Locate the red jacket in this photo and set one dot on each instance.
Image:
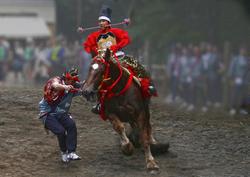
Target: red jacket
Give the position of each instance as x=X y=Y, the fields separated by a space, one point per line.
x=50 y=95
x=113 y=38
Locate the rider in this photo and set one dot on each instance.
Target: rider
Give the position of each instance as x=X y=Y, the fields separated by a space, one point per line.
x=106 y=37
x=54 y=111
x=114 y=39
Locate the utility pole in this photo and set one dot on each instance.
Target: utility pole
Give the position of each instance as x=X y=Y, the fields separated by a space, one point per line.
x=78 y=12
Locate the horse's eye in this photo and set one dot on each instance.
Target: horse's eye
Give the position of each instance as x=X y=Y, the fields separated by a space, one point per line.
x=95 y=66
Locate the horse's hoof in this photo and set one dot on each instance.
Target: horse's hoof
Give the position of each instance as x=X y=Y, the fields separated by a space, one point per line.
x=160 y=148
x=127 y=149
x=154 y=172
x=152 y=167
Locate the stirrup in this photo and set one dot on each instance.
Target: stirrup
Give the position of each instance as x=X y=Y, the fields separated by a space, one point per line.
x=96 y=108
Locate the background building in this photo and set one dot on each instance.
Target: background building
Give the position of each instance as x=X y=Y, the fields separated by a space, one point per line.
x=20 y=19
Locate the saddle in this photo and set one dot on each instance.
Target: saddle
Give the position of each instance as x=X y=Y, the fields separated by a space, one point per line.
x=140 y=76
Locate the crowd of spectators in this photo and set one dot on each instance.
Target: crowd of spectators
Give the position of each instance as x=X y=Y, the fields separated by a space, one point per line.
x=201 y=77
x=33 y=62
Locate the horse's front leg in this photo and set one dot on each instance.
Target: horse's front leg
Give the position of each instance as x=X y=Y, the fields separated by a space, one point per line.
x=126 y=146
x=152 y=139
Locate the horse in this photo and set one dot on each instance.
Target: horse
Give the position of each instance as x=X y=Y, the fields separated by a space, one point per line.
x=122 y=101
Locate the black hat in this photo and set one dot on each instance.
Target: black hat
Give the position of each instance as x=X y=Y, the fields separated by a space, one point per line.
x=105 y=13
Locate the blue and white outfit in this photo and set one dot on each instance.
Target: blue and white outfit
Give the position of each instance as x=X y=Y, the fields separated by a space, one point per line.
x=57 y=119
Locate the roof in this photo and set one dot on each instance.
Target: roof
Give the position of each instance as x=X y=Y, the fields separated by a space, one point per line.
x=23 y=27
x=43 y=8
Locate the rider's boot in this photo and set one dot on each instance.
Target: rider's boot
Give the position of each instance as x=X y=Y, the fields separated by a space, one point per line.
x=96 y=108
x=151 y=88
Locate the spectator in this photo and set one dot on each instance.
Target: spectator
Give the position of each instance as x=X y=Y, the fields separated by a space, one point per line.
x=3 y=60
x=239 y=67
x=54 y=112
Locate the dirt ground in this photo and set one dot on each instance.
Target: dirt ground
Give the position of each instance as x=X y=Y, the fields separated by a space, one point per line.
x=201 y=145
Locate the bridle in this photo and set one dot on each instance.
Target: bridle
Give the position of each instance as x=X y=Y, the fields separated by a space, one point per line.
x=106 y=90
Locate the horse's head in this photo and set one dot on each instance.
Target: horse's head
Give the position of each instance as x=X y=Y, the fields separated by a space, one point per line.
x=96 y=73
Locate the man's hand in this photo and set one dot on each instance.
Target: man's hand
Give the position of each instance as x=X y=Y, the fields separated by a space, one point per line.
x=114 y=48
x=80 y=29
x=68 y=87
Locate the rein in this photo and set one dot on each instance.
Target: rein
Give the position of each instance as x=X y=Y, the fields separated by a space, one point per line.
x=106 y=91
x=119 y=77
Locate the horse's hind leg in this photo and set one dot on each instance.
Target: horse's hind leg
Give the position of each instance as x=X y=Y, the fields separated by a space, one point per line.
x=126 y=146
x=146 y=137
x=134 y=135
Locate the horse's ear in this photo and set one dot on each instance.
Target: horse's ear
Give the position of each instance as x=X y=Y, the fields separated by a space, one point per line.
x=107 y=54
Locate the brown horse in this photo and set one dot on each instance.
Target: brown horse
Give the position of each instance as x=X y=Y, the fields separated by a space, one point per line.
x=122 y=102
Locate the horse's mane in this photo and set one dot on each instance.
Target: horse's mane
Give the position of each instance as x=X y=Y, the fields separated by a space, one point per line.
x=116 y=69
x=125 y=72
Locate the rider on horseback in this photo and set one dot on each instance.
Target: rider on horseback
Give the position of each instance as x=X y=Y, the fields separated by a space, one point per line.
x=114 y=39
x=106 y=37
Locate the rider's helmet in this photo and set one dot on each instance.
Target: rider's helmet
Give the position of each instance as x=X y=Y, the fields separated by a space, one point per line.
x=71 y=74
x=105 y=13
